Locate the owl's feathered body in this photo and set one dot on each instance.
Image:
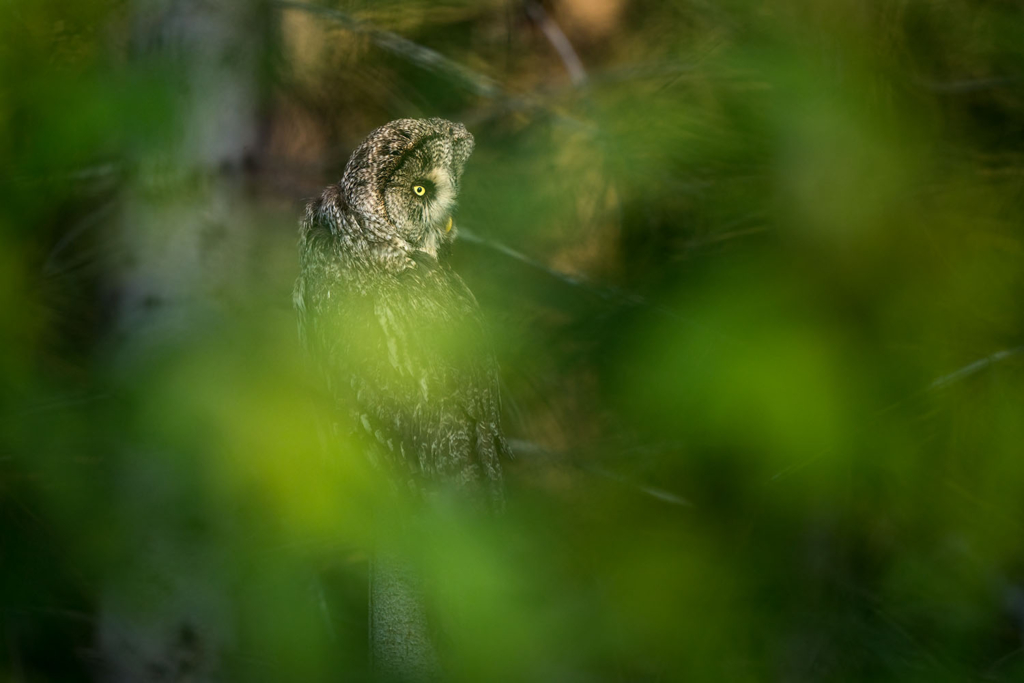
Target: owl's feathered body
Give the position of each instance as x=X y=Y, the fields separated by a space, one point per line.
x=395 y=331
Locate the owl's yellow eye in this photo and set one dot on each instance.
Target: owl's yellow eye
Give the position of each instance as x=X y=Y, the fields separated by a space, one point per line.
x=419 y=190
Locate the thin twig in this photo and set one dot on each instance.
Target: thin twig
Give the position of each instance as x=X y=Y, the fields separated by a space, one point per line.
x=432 y=60
x=967 y=85
x=92 y=220
x=603 y=291
x=553 y=32
x=937 y=384
x=424 y=57
x=975 y=367
x=467 y=235
x=526 y=447
x=607 y=292
x=652 y=491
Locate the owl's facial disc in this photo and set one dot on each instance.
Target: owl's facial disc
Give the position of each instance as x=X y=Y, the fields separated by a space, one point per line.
x=403 y=180
x=420 y=202
x=436 y=194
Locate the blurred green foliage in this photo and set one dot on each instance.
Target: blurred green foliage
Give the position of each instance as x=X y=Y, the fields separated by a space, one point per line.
x=755 y=286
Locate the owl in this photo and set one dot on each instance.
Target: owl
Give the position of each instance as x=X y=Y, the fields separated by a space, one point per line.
x=392 y=328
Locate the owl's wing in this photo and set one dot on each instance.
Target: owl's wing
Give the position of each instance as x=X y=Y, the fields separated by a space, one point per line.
x=299 y=304
x=408 y=363
x=315 y=271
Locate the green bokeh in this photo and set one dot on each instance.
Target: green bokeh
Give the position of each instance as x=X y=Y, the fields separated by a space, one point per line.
x=754 y=286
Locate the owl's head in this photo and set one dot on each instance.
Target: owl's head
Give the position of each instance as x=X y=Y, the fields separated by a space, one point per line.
x=405 y=177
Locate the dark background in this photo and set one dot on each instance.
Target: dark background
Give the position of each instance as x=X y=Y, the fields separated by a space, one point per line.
x=753 y=272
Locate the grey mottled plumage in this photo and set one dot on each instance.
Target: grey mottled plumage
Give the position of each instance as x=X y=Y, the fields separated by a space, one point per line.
x=393 y=328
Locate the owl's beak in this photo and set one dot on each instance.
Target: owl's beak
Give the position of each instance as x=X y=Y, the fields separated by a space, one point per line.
x=448 y=225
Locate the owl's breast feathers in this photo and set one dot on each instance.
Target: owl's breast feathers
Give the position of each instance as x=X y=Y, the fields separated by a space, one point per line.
x=401 y=342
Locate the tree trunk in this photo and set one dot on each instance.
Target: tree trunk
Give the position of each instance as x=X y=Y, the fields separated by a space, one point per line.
x=182 y=245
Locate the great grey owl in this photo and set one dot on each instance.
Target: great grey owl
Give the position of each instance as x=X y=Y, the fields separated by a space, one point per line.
x=394 y=330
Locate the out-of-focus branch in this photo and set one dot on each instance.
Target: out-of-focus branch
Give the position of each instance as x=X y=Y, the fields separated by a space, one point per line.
x=392 y=42
x=967 y=85
x=575 y=281
x=607 y=292
x=553 y=32
x=976 y=366
x=434 y=61
x=530 y=448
